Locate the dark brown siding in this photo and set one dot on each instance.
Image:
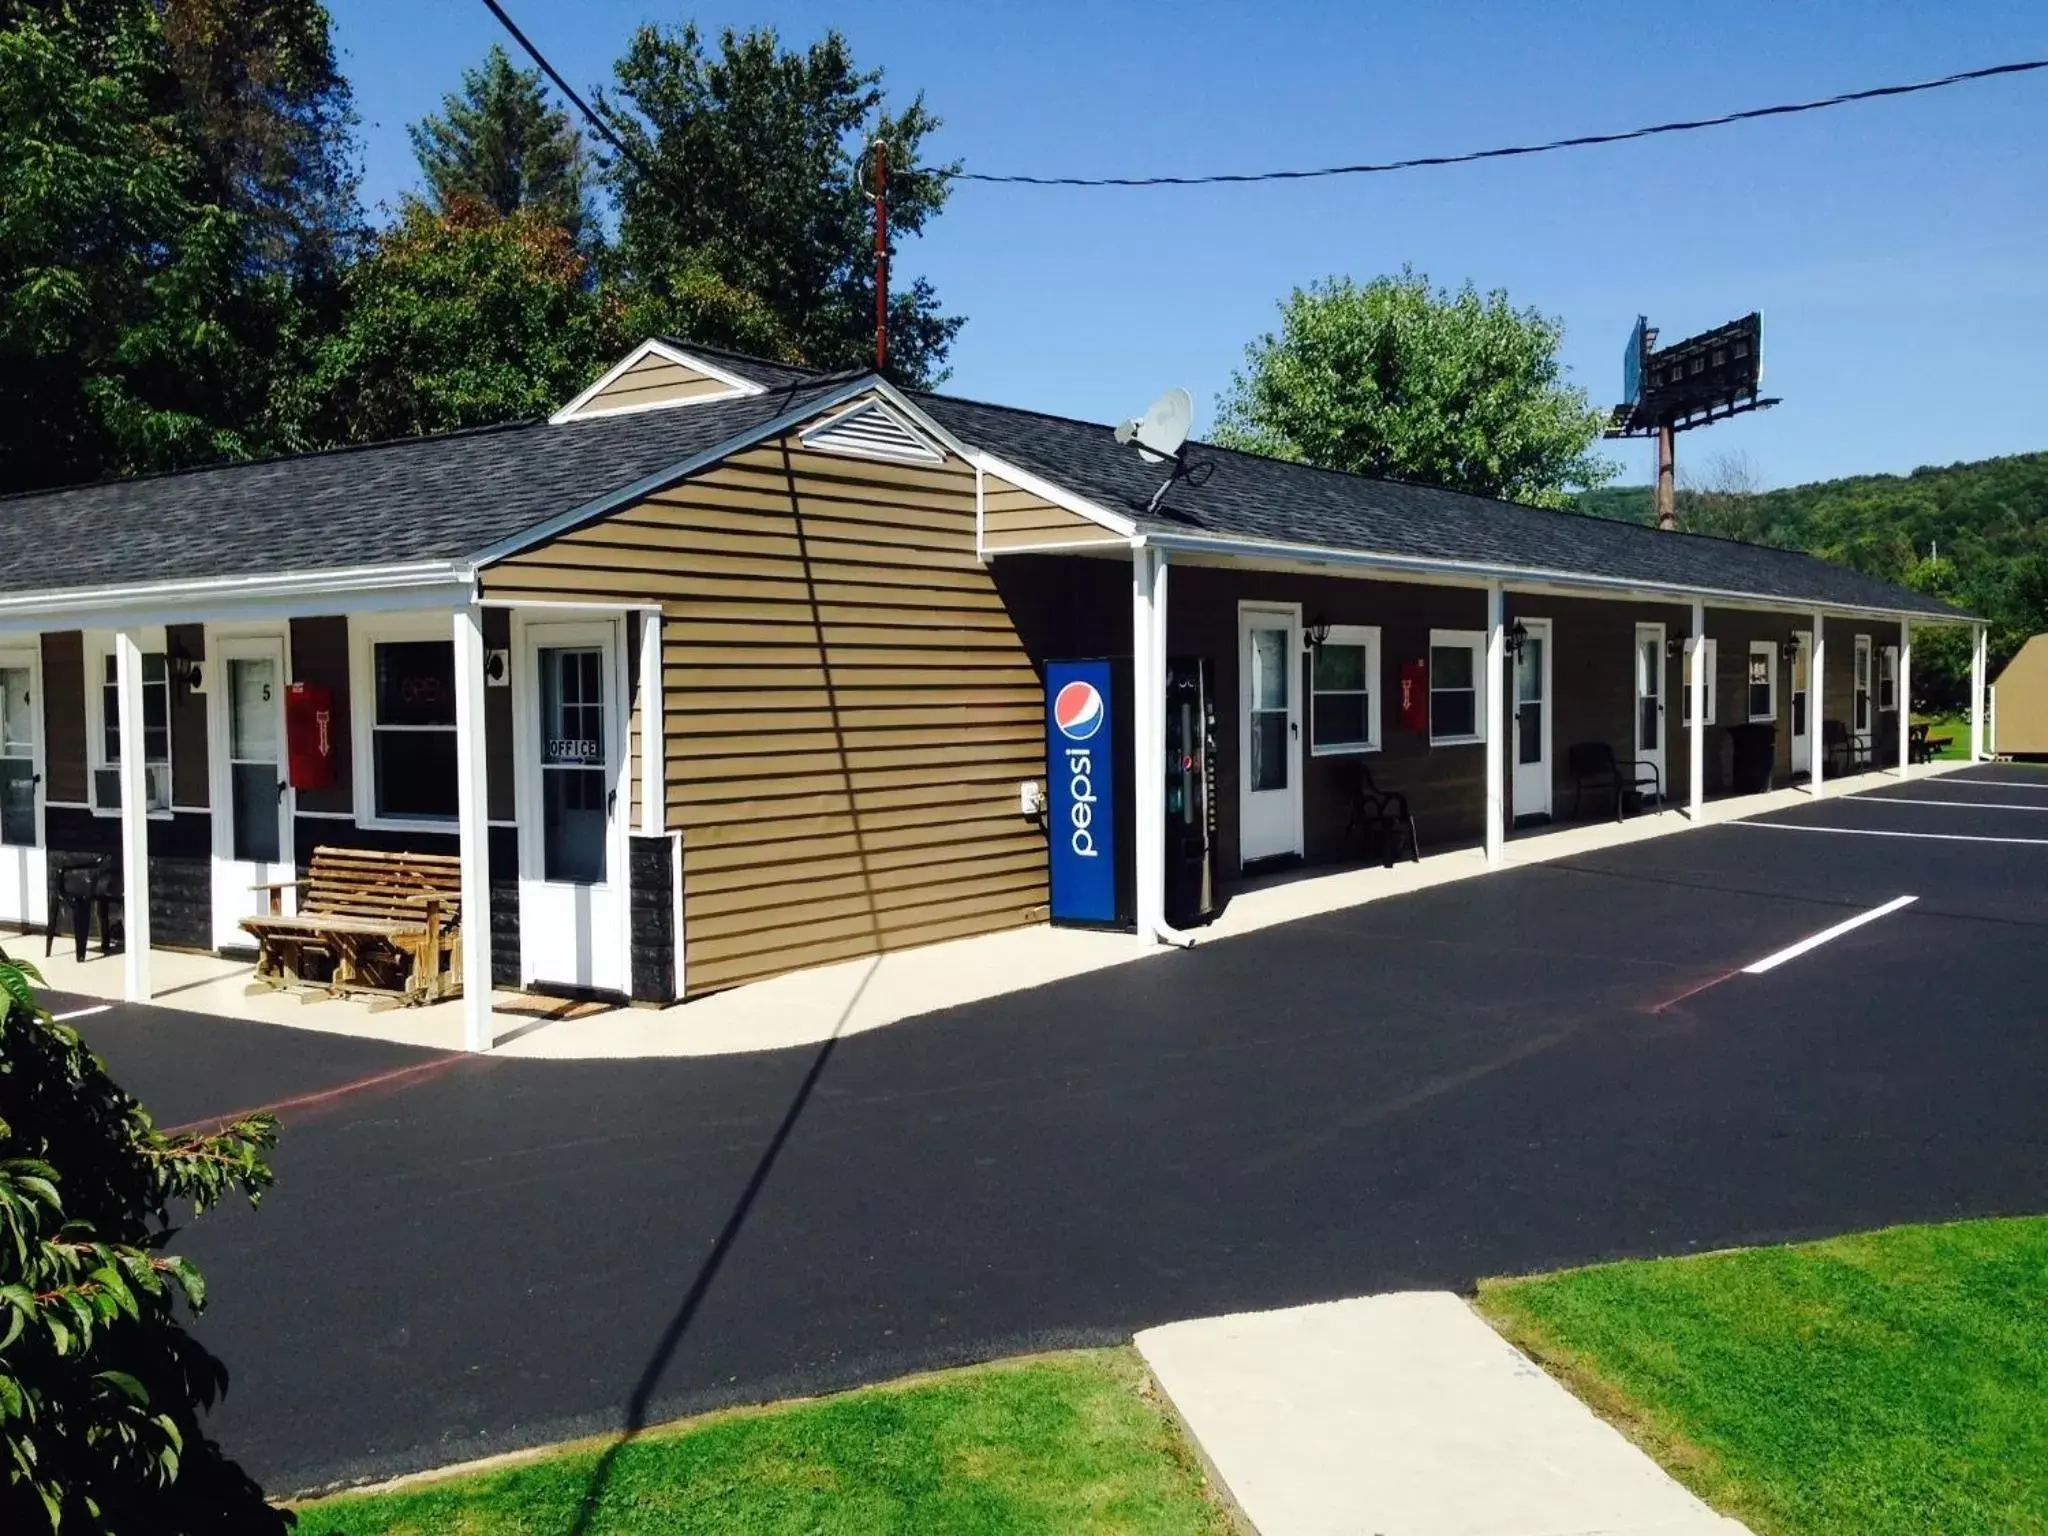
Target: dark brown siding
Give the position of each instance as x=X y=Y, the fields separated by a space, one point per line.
x=1593 y=686
x=190 y=787
x=1445 y=785
x=64 y=748
x=849 y=710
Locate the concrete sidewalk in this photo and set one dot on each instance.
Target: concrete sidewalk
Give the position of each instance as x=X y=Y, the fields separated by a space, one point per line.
x=1405 y=1415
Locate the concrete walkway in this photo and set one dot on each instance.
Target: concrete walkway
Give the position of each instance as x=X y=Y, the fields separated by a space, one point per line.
x=810 y=1006
x=1405 y=1415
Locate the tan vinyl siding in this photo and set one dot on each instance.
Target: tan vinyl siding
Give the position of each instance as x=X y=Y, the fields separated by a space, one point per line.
x=848 y=709
x=654 y=380
x=2019 y=701
x=1012 y=518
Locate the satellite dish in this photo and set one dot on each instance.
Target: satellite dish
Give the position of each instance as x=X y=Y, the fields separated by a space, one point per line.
x=1163 y=428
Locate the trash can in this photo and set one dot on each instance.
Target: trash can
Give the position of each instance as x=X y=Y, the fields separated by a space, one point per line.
x=1756 y=749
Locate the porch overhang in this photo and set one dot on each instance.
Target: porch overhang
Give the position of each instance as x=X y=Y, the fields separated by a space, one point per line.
x=426 y=585
x=1279 y=555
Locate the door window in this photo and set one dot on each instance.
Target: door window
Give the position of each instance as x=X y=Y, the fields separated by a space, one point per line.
x=253 y=751
x=575 y=799
x=1802 y=671
x=1271 y=707
x=17 y=759
x=1529 y=700
x=1649 y=693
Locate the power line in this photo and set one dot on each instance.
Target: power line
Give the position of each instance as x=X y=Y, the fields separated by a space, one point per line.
x=597 y=123
x=1584 y=141
x=1418 y=162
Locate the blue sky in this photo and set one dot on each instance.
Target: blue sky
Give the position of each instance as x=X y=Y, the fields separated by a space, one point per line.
x=1898 y=251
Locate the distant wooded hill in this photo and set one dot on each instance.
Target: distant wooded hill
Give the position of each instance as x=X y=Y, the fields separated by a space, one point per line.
x=1976 y=534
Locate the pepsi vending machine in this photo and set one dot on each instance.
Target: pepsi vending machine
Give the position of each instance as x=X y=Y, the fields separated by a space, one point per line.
x=1081 y=804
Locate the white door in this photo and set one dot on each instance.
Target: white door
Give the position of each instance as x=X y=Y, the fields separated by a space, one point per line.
x=1862 y=727
x=1650 y=695
x=1269 y=691
x=1802 y=706
x=24 y=873
x=252 y=800
x=1532 y=721
x=573 y=899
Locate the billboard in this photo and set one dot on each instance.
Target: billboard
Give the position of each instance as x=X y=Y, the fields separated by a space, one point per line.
x=1081 y=797
x=1691 y=382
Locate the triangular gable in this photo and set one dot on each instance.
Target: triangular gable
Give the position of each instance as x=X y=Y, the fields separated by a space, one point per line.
x=652 y=377
x=871 y=430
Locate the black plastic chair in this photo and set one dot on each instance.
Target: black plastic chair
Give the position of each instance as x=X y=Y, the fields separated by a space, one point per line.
x=1383 y=816
x=84 y=885
x=1593 y=764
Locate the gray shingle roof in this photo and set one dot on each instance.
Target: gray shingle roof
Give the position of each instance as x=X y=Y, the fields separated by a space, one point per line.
x=1246 y=496
x=450 y=497
x=416 y=500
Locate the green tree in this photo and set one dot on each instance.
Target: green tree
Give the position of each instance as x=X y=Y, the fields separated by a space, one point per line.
x=131 y=328
x=101 y=1384
x=754 y=186
x=1396 y=380
x=455 y=320
x=273 y=121
x=498 y=141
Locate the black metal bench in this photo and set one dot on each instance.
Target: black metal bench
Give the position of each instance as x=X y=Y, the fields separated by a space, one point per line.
x=1381 y=818
x=1843 y=753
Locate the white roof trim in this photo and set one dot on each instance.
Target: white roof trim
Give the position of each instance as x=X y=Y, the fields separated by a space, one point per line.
x=924 y=451
x=1059 y=496
x=736 y=386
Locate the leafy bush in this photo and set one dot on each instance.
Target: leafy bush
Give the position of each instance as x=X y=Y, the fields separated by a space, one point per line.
x=101 y=1383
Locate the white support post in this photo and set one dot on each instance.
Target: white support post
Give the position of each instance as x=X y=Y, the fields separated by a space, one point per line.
x=1696 y=740
x=1148 y=749
x=1978 y=698
x=1490 y=701
x=134 y=778
x=472 y=803
x=653 y=748
x=1902 y=695
x=1817 y=705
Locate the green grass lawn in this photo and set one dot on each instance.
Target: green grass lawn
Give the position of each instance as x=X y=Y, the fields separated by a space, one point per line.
x=1956 y=729
x=1055 y=1443
x=1890 y=1384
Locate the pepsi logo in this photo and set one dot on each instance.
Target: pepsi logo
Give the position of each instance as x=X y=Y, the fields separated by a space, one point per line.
x=1077 y=710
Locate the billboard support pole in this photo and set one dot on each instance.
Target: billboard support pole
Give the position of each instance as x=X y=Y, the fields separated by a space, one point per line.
x=1667 y=478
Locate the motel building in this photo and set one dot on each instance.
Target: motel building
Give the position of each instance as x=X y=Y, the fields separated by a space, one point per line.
x=731 y=668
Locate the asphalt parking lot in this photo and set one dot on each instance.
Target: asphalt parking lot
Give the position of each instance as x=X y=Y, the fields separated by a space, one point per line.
x=1558 y=1064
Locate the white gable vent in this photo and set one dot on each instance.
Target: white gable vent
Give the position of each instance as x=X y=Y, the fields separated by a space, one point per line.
x=872 y=431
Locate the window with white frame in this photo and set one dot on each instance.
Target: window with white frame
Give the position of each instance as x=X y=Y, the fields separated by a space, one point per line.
x=105 y=709
x=1457 y=686
x=1712 y=665
x=1888 y=678
x=403 y=698
x=1763 y=680
x=1861 y=705
x=1344 y=693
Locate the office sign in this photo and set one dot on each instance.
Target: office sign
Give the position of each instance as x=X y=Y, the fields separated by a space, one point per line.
x=1081 y=799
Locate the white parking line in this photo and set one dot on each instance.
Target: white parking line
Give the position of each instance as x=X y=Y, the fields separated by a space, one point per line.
x=80 y=1013
x=1931 y=837
x=1980 y=805
x=1996 y=783
x=1772 y=962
